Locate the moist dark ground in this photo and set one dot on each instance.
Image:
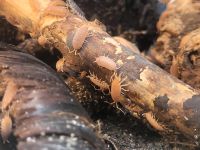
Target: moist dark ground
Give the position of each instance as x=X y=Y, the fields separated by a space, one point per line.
x=134 y=20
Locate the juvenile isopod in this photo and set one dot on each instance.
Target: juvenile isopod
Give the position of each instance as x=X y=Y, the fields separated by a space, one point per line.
x=152 y=121
x=42 y=40
x=106 y=62
x=117 y=87
x=9 y=94
x=79 y=37
x=174 y=67
x=60 y=65
x=101 y=84
x=55 y=8
x=82 y=74
x=76 y=9
x=6 y=127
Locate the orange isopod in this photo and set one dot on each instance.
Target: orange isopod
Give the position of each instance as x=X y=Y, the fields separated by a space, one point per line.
x=79 y=37
x=152 y=121
x=6 y=127
x=60 y=65
x=101 y=84
x=116 y=87
x=42 y=40
x=106 y=62
x=174 y=67
x=9 y=94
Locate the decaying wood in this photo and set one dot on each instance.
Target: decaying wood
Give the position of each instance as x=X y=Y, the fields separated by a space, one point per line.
x=44 y=113
x=149 y=88
x=177 y=47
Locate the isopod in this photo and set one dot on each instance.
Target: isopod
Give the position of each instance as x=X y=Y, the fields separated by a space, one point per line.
x=174 y=67
x=152 y=121
x=55 y=8
x=106 y=62
x=117 y=87
x=79 y=37
x=60 y=65
x=75 y=9
x=101 y=84
x=42 y=40
x=82 y=74
x=9 y=94
x=6 y=127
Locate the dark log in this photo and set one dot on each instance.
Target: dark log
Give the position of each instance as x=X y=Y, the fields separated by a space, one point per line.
x=44 y=113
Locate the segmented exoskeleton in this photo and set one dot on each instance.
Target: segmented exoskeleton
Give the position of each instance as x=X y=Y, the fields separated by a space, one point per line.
x=44 y=114
x=75 y=9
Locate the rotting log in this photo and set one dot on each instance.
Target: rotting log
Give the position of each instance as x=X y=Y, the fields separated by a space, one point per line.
x=44 y=114
x=149 y=89
x=177 y=47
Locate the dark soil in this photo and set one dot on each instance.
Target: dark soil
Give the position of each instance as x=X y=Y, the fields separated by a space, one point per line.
x=132 y=19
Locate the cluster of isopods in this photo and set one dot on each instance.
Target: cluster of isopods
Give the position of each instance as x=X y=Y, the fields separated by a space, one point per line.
x=116 y=88
x=75 y=42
